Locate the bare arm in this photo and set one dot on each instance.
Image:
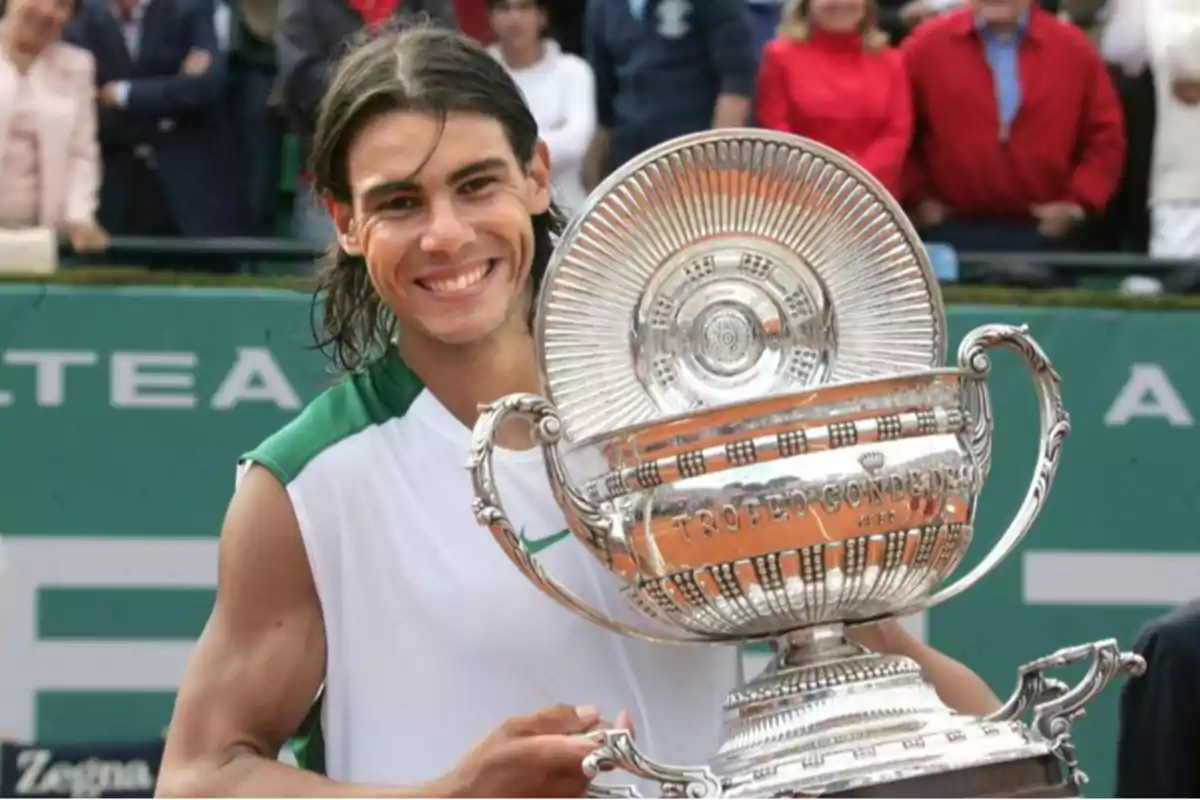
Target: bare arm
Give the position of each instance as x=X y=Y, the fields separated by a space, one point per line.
x=258 y=664
x=956 y=684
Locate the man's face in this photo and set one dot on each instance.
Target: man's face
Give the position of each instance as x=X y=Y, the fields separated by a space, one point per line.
x=1001 y=13
x=442 y=216
x=517 y=23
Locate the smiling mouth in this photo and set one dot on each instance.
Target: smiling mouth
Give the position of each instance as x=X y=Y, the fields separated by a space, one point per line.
x=461 y=283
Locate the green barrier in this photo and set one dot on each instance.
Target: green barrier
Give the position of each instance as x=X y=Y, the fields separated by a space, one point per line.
x=122 y=411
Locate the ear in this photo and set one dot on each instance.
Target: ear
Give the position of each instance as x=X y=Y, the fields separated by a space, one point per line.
x=538 y=175
x=342 y=215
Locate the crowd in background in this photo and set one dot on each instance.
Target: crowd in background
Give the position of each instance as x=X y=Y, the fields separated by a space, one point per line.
x=1002 y=125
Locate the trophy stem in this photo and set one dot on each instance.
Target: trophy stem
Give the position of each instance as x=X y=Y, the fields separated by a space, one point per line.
x=807 y=646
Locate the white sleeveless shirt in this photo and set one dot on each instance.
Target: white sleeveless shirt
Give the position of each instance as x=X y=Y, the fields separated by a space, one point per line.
x=434 y=637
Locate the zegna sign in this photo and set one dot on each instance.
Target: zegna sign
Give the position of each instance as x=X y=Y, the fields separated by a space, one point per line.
x=166 y=380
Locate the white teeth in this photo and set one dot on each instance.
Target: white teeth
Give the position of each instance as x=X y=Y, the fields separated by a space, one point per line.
x=460 y=283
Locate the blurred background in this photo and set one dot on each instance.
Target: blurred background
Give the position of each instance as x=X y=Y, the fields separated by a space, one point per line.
x=158 y=233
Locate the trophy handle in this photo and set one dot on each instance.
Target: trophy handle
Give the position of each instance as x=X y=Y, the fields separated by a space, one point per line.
x=580 y=512
x=1057 y=706
x=617 y=750
x=1054 y=425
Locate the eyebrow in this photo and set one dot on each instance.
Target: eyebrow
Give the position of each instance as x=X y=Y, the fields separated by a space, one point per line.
x=460 y=174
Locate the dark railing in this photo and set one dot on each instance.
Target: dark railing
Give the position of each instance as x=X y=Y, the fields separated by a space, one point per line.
x=140 y=249
x=1083 y=263
x=133 y=249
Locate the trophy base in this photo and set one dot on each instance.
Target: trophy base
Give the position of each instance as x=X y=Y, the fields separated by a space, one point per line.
x=1030 y=777
x=828 y=717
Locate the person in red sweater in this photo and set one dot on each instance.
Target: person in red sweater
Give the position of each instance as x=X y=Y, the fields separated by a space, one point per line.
x=830 y=76
x=1019 y=137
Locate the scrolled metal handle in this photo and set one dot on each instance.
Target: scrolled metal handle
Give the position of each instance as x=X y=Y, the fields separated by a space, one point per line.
x=1054 y=425
x=1057 y=706
x=580 y=512
x=617 y=750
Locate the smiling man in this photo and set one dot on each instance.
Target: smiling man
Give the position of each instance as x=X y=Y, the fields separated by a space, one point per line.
x=359 y=602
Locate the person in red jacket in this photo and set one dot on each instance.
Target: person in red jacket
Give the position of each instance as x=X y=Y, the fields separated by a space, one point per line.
x=830 y=76
x=1019 y=137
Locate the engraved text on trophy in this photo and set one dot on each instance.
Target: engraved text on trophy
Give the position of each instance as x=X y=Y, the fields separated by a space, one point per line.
x=873 y=501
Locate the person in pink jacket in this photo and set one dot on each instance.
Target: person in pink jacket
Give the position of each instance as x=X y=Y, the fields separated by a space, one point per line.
x=49 y=156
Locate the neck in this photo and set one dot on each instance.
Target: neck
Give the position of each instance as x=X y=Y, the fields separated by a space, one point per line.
x=521 y=56
x=463 y=377
x=836 y=40
x=1007 y=26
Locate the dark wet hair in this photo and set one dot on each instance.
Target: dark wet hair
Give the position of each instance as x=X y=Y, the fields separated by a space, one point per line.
x=420 y=68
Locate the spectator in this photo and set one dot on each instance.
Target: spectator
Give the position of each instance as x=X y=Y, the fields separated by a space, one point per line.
x=558 y=87
x=164 y=136
x=665 y=68
x=311 y=36
x=1020 y=135
x=1175 y=176
x=257 y=125
x=49 y=163
x=831 y=77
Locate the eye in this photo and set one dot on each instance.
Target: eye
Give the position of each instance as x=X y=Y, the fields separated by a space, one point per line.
x=400 y=203
x=476 y=185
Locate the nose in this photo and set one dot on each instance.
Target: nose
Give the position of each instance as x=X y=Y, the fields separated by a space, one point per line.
x=447 y=232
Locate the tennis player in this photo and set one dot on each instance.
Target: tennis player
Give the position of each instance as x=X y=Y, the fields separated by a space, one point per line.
x=361 y=610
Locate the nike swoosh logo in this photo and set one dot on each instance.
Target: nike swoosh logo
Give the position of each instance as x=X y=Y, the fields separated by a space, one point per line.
x=535 y=546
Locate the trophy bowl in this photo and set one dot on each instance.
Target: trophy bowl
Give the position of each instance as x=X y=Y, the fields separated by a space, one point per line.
x=839 y=504
x=749 y=423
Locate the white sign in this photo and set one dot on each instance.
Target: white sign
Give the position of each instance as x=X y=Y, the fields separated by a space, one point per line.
x=144 y=379
x=1148 y=394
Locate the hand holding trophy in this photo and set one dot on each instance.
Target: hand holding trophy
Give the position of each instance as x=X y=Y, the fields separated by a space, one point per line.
x=750 y=424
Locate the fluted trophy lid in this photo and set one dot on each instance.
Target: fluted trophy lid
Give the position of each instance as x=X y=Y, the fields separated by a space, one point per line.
x=727 y=265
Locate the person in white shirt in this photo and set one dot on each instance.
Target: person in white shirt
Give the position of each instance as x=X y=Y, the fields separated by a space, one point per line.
x=559 y=88
x=1165 y=35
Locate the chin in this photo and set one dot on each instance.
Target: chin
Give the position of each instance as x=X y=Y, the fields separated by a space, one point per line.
x=478 y=327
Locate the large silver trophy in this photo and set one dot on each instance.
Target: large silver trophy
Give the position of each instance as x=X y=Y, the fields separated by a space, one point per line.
x=750 y=423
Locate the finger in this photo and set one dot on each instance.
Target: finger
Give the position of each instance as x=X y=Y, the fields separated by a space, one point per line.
x=560 y=756
x=560 y=719
x=625 y=722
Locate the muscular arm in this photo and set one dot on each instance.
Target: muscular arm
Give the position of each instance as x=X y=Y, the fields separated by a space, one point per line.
x=258 y=664
x=956 y=684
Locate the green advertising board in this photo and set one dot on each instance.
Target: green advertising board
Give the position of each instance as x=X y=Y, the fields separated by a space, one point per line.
x=122 y=411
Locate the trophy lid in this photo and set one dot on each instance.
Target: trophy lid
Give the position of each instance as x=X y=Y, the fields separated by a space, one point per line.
x=726 y=265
